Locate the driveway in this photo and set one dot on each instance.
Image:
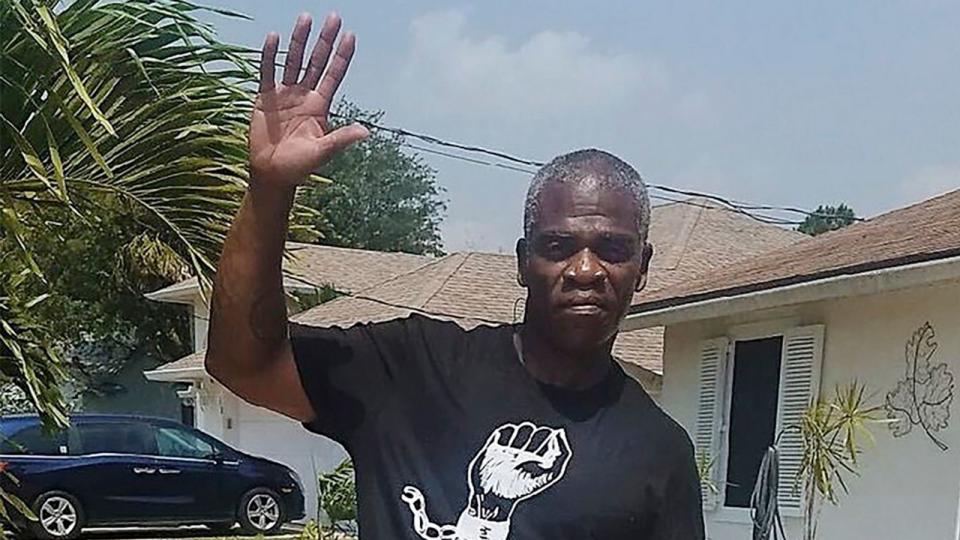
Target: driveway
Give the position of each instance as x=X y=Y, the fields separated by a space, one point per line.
x=179 y=533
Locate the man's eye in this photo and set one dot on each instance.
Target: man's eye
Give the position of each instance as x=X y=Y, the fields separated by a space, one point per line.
x=554 y=249
x=615 y=250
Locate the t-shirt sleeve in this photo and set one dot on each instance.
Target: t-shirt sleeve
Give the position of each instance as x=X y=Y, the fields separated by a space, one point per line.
x=681 y=516
x=349 y=374
x=346 y=373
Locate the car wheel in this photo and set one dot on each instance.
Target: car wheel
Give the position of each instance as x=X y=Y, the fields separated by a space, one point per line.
x=59 y=516
x=261 y=511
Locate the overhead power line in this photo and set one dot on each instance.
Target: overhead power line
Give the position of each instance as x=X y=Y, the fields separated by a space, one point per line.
x=516 y=163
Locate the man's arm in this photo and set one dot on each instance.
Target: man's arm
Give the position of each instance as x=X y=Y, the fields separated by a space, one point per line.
x=248 y=349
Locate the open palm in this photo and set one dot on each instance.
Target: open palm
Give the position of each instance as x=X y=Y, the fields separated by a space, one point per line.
x=290 y=136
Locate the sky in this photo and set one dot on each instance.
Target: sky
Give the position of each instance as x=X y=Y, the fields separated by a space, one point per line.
x=785 y=103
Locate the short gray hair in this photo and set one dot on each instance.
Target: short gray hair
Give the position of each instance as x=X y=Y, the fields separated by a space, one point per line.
x=607 y=169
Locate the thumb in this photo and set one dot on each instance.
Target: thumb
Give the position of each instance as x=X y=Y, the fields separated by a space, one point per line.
x=339 y=139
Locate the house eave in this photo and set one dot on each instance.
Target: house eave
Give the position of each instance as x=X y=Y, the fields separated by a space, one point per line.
x=864 y=283
x=183 y=292
x=188 y=291
x=189 y=374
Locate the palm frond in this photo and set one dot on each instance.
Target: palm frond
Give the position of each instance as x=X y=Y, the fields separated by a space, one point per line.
x=130 y=107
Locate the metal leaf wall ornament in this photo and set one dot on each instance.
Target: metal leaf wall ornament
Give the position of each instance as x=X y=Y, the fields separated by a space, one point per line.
x=923 y=397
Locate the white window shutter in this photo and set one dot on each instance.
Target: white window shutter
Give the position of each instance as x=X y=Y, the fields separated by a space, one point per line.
x=799 y=387
x=707 y=436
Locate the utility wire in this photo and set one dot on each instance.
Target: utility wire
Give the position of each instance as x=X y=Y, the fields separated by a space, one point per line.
x=430 y=139
x=467 y=159
x=440 y=142
x=771 y=220
x=728 y=205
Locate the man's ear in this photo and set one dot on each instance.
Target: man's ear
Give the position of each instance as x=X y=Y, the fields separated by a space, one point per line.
x=523 y=262
x=644 y=266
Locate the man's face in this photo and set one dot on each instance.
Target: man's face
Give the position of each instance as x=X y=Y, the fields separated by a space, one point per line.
x=583 y=263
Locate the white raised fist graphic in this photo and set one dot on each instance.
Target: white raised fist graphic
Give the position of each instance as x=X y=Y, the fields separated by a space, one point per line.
x=517 y=462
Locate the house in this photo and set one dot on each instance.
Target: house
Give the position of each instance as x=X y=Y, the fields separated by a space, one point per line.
x=469 y=288
x=746 y=348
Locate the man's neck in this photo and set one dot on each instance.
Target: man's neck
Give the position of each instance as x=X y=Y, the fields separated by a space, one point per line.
x=547 y=364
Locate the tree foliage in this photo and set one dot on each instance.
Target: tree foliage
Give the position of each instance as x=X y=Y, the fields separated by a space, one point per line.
x=827 y=218
x=116 y=131
x=380 y=198
x=337 y=493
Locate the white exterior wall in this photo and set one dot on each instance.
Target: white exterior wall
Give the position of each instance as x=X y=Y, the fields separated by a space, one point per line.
x=201 y=324
x=908 y=488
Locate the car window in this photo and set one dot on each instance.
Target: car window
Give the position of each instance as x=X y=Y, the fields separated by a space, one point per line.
x=34 y=441
x=178 y=442
x=116 y=437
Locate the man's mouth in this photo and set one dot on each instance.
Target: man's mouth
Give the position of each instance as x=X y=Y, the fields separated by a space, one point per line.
x=585 y=307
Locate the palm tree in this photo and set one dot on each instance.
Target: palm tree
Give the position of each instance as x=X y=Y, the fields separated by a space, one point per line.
x=129 y=108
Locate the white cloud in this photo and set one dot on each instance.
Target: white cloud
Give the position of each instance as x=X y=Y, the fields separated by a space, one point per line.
x=549 y=72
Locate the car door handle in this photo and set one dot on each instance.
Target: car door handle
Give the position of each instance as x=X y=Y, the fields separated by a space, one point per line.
x=144 y=470
x=169 y=471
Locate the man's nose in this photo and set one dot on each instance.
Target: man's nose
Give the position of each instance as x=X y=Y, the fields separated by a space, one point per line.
x=585 y=269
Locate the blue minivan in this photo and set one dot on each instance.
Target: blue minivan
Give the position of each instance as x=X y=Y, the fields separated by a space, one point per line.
x=111 y=470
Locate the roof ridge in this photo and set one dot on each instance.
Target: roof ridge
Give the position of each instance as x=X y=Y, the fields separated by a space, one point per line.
x=679 y=250
x=924 y=202
x=408 y=273
x=311 y=283
x=308 y=245
x=446 y=279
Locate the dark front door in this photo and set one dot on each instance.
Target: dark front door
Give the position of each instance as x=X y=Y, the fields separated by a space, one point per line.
x=190 y=478
x=116 y=475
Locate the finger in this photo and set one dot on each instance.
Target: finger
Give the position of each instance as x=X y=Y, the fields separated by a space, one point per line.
x=337 y=69
x=268 y=58
x=522 y=435
x=298 y=41
x=537 y=443
x=321 y=51
x=338 y=140
x=564 y=444
x=505 y=433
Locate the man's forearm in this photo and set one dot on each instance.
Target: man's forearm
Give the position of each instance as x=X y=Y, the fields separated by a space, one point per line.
x=248 y=319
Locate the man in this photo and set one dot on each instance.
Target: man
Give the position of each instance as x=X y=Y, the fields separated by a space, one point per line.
x=519 y=431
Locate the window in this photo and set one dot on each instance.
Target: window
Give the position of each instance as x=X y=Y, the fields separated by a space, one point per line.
x=177 y=442
x=748 y=390
x=34 y=441
x=752 y=414
x=116 y=437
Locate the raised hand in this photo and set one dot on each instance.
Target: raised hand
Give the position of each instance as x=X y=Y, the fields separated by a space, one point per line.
x=516 y=463
x=290 y=135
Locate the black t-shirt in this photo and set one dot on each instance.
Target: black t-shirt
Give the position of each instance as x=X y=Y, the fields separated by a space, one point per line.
x=451 y=437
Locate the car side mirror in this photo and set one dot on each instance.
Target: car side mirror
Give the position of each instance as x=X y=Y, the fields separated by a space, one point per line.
x=218 y=457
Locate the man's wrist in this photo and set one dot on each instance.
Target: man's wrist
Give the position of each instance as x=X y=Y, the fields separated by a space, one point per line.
x=272 y=191
x=490 y=507
x=471 y=527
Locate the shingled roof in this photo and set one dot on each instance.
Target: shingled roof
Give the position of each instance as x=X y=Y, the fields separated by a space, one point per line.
x=344 y=269
x=478 y=288
x=481 y=288
x=925 y=231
